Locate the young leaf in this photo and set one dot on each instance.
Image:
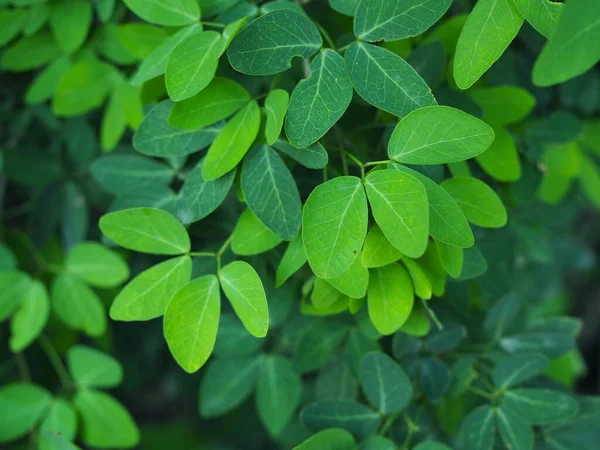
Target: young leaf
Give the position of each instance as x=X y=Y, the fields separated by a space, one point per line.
x=501 y=160
x=245 y=291
x=293 y=259
x=332 y=438
x=518 y=368
x=378 y=251
x=271 y=192
x=78 y=306
x=390 y=298
x=439 y=135
x=146 y=230
x=334 y=225
x=96 y=265
x=27 y=404
x=543 y=15
x=319 y=101
x=478 y=429
x=386 y=385
x=148 y=295
x=155 y=64
x=447 y=222
x=105 y=422
x=192 y=65
x=155 y=137
x=198 y=198
x=70 y=22
x=276 y=106
x=418 y=274
x=171 y=13
x=93 y=369
x=290 y=34
x=31 y=317
x=478 y=201
x=191 y=322
x=400 y=208
x=418 y=323
x=227 y=383
x=233 y=142
x=61 y=419
x=314 y=157
x=358 y=419
x=515 y=433
x=389 y=20
x=540 y=406
x=324 y=295
x=354 y=281
x=219 y=100
x=278 y=393
x=572 y=49
x=251 y=236
x=385 y=80
x=452 y=258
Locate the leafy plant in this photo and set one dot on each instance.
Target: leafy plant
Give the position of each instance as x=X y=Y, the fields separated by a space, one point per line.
x=388 y=201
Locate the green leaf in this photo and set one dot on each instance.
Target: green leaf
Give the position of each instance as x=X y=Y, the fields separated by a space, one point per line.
x=141 y=39
x=30 y=53
x=480 y=204
x=475 y=50
x=334 y=225
x=192 y=64
x=146 y=230
x=478 y=429
x=96 y=265
x=430 y=445
x=515 y=433
x=155 y=137
x=148 y=294
x=233 y=142
x=540 y=406
x=276 y=106
x=11 y=23
x=543 y=15
x=518 y=368
x=503 y=105
x=271 y=192
x=501 y=160
x=48 y=440
x=378 y=251
x=278 y=393
x=385 y=80
x=420 y=278
x=389 y=20
x=106 y=423
x=231 y=31
x=314 y=157
x=319 y=101
x=27 y=404
x=315 y=348
x=171 y=13
x=91 y=368
x=191 y=322
x=121 y=174
x=31 y=317
x=336 y=382
x=251 y=236
x=290 y=34
x=376 y=442
x=358 y=419
x=234 y=340
x=8 y=261
x=45 y=84
x=156 y=62
x=227 y=383
x=354 y=281
x=400 y=208
x=293 y=259
x=37 y=17
x=70 y=22
x=61 y=419
x=13 y=287
x=474 y=264
x=330 y=439
x=390 y=298
x=83 y=87
x=572 y=50
x=212 y=7
x=452 y=258
x=418 y=323
x=324 y=295
x=445 y=339
x=78 y=306
x=439 y=135
x=386 y=385
x=217 y=101
x=245 y=291
x=447 y=222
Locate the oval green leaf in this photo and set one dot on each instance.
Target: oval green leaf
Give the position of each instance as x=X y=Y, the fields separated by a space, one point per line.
x=390 y=298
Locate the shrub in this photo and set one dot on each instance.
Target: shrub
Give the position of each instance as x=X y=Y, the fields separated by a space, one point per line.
x=363 y=214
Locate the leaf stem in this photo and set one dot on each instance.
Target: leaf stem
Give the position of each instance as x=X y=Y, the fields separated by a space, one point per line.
x=214 y=24
x=56 y=362
x=432 y=315
x=481 y=393
x=222 y=250
x=22 y=367
x=388 y=423
x=376 y=163
x=207 y=254
x=345 y=47
x=325 y=34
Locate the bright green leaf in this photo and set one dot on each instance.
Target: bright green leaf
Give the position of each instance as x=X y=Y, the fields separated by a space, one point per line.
x=13 y=288
x=378 y=251
x=96 y=265
x=251 y=236
x=93 y=369
x=276 y=106
x=27 y=404
x=314 y=157
x=293 y=259
x=543 y=15
x=70 y=22
x=330 y=439
x=171 y=13
x=31 y=317
x=390 y=298
x=354 y=281
x=30 y=53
